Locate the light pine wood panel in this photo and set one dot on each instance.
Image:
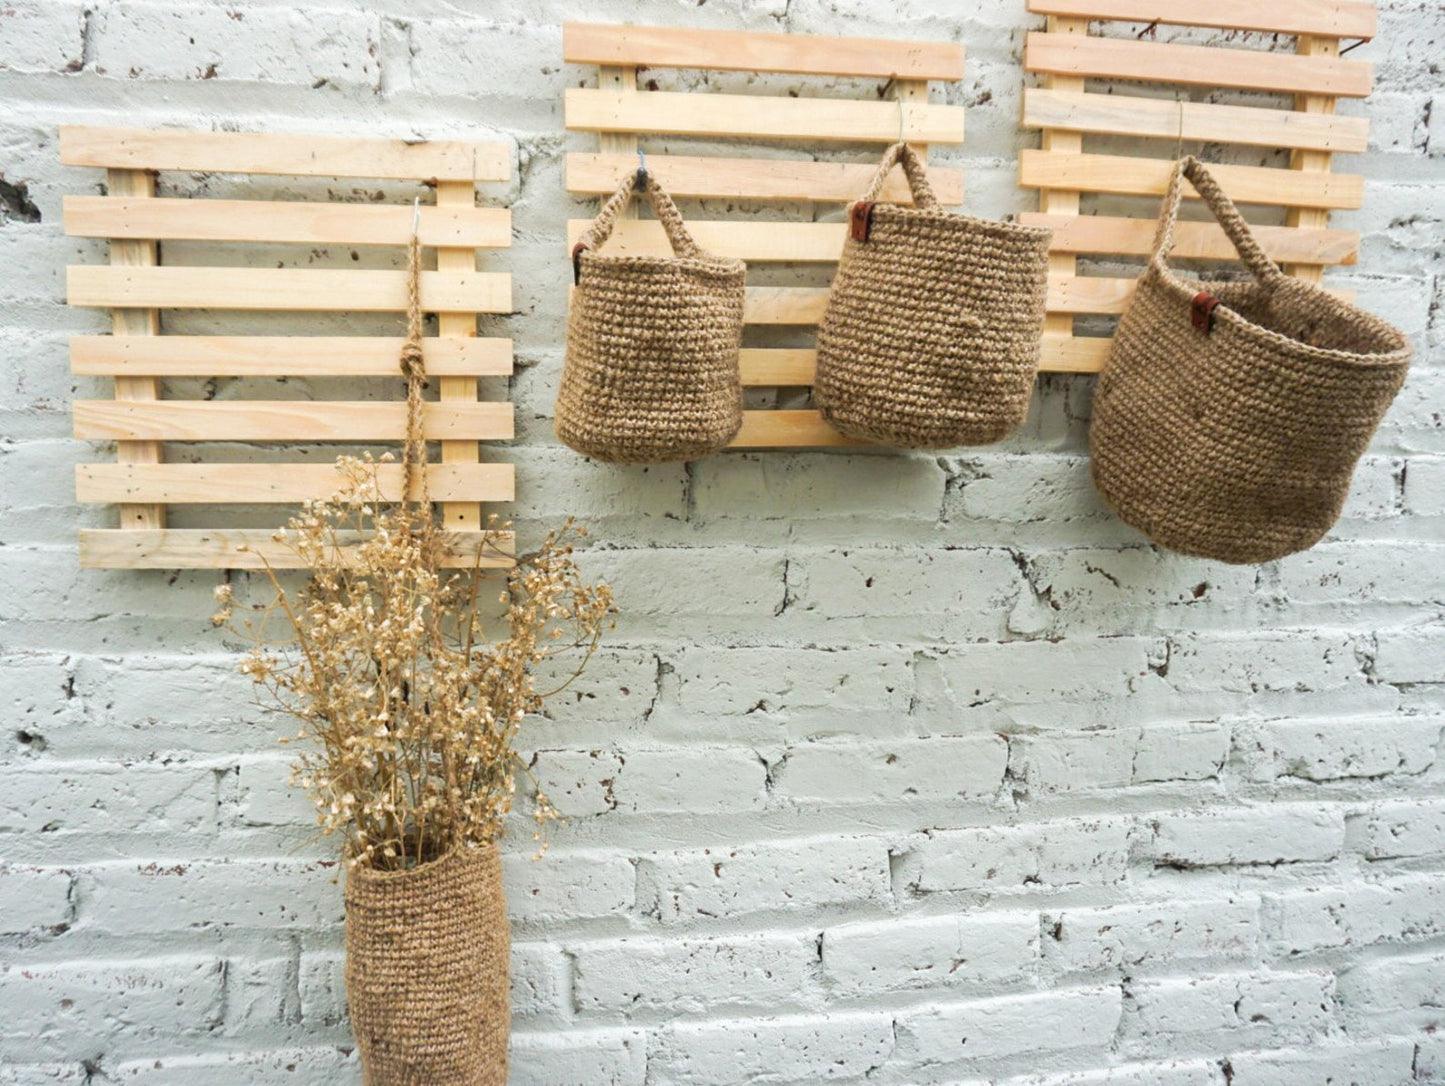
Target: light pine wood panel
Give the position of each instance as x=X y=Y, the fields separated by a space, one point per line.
x=313 y=223
x=1193 y=240
x=290 y=420
x=255 y=549
x=753 y=178
x=1156 y=118
x=283 y=155
x=1128 y=176
x=1073 y=354
x=282 y=356
x=733 y=115
x=804 y=242
x=740 y=50
x=1330 y=18
x=778 y=366
x=784 y=305
x=292 y=289
x=787 y=429
x=266 y=483
x=1195 y=65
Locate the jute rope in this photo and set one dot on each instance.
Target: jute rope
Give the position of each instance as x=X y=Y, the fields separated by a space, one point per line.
x=413 y=369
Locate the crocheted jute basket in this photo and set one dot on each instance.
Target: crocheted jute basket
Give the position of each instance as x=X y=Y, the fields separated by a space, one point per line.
x=652 y=346
x=931 y=334
x=1229 y=416
x=427 y=971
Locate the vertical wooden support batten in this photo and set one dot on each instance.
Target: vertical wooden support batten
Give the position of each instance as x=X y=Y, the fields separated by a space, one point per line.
x=1062 y=201
x=1312 y=161
x=624 y=81
x=458 y=516
x=136 y=322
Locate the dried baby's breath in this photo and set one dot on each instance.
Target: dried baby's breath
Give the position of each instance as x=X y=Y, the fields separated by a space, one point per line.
x=408 y=710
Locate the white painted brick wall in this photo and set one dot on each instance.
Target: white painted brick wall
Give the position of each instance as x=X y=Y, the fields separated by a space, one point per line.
x=898 y=769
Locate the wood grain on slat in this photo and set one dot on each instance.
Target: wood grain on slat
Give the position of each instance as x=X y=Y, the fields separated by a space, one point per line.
x=1193 y=240
x=290 y=420
x=458 y=515
x=254 y=549
x=281 y=356
x=284 y=289
x=762 y=242
x=279 y=221
x=760 y=117
x=1330 y=18
x=1073 y=354
x=741 y=50
x=1195 y=65
x=1315 y=163
x=778 y=366
x=1066 y=199
x=787 y=429
x=294 y=156
x=1128 y=176
x=753 y=178
x=263 y=483
x=1156 y=118
x=784 y=305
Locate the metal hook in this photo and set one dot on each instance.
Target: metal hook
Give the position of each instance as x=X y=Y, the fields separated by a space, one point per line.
x=639 y=182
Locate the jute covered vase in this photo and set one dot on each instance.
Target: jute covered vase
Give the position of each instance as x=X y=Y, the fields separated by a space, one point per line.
x=427 y=954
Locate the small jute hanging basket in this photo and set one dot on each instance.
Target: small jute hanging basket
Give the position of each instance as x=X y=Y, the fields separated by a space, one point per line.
x=931 y=334
x=1229 y=416
x=428 y=948
x=652 y=345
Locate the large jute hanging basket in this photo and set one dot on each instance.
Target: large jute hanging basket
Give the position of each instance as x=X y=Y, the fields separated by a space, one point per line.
x=427 y=977
x=931 y=334
x=651 y=373
x=1229 y=416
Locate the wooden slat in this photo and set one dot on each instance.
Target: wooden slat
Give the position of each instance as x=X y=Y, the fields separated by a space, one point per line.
x=803 y=242
x=1066 y=199
x=285 y=155
x=290 y=420
x=736 y=51
x=252 y=549
x=1089 y=294
x=1155 y=118
x=281 y=356
x=458 y=515
x=787 y=429
x=1315 y=163
x=1330 y=18
x=1127 y=176
x=778 y=366
x=284 y=289
x=760 y=117
x=784 y=305
x=280 y=221
x=754 y=178
x=1073 y=354
x=264 y=483
x=1195 y=65
x=1193 y=240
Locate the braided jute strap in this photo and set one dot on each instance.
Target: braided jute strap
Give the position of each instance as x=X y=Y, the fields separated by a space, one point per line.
x=913 y=167
x=1260 y=266
x=413 y=369
x=666 y=211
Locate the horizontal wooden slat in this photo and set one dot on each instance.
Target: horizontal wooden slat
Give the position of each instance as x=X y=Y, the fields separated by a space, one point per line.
x=761 y=117
x=1126 y=176
x=746 y=51
x=787 y=429
x=778 y=366
x=263 y=483
x=761 y=242
x=284 y=155
x=1323 y=18
x=1102 y=294
x=1193 y=240
x=784 y=305
x=1155 y=118
x=284 y=289
x=173 y=548
x=754 y=178
x=281 y=356
x=280 y=221
x=1195 y=65
x=1073 y=354
x=289 y=420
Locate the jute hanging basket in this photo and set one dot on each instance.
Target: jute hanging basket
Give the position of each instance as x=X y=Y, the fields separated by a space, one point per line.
x=1229 y=416
x=932 y=330
x=427 y=983
x=652 y=346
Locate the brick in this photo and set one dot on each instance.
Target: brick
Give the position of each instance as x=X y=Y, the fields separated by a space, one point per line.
x=783 y=1048
x=1163 y=1073
x=321 y=985
x=259 y=994
x=579 y=1057
x=1390 y=831
x=1395 y=910
x=1332 y=750
x=445 y=51
x=942 y=769
x=683 y=976
x=1276 y=1006
x=929 y=952
x=682 y=779
x=567 y=885
x=1363 y=1063
x=43 y=1074
x=791 y=486
x=986 y=1029
x=1411 y=656
x=1269 y=834
x=1118 y=757
x=1276 y=674
x=1354 y=581
x=1395 y=995
x=1128 y=936
x=33 y=897
x=107 y=798
x=1062 y=852
x=553 y=484
x=1425 y=485
x=267 y=799
x=616 y=691
x=278 y=1067
x=541 y=979
x=734 y=881
x=41 y=36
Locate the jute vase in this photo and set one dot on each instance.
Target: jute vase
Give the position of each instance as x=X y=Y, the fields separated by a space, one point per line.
x=427 y=954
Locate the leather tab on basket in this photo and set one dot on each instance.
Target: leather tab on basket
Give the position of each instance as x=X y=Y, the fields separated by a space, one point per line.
x=1201 y=312
x=577 y=251
x=860 y=219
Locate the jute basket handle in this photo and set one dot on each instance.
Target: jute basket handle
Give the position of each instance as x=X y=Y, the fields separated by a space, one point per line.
x=1262 y=267
x=918 y=184
x=662 y=206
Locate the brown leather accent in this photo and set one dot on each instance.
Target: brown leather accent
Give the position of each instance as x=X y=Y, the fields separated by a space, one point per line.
x=577 y=251
x=1201 y=312
x=860 y=219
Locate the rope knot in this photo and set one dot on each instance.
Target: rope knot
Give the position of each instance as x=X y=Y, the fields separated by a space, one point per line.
x=413 y=365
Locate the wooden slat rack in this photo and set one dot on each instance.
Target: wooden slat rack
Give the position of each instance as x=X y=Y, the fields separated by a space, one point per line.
x=138 y=288
x=627 y=117
x=1071 y=113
